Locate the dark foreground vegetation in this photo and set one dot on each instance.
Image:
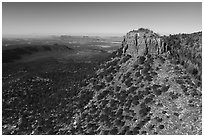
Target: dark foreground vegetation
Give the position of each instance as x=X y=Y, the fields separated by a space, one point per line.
x=41 y=95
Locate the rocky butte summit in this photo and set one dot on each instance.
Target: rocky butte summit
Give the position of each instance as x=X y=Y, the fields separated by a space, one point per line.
x=148 y=86
x=143 y=42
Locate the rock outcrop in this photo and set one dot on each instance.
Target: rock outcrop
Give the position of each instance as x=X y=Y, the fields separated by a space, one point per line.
x=185 y=49
x=142 y=42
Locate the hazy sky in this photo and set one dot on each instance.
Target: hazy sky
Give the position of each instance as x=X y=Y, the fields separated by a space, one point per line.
x=93 y=18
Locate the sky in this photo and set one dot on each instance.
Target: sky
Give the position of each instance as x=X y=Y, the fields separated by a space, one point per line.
x=99 y=18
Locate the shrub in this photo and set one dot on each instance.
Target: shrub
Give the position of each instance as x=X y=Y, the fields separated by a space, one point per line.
x=141 y=85
x=126 y=58
x=113 y=103
x=128 y=82
x=132 y=89
x=102 y=94
x=128 y=117
x=127 y=75
x=99 y=86
x=130 y=132
x=106 y=110
x=148 y=100
x=165 y=88
x=91 y=125
x=104 y=118
x=161 y=126
x=141 y=59
x=119 y=52
x=162 y=59
x=194 y=72
x=135 y=102
x=135 y=66
x=84 y=98
x=146 y=92
x=153 y=73
x=104 y=102
x=119 y=122
x=155 y=86
x=109 y=78
x=148 y=78
x=151 y=127
x=114 y=131
x=105 y=132
x=136 y=97
x=137 y=74
x=149 y=56
x=123 y=95
x=140 y=95
x=127 y=105
x=119 y=112
x=89 y=118
x=136 y=130
x=144 y=111
x=108 y=124
x=109 y=70
x=125 y=129
x=117 y=67
x=157 y=92
x=173 y=95
x=149 y=61
x=117 y=89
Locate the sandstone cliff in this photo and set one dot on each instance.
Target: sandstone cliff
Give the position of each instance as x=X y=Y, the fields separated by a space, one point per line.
x=185 y=49
x=142 y=42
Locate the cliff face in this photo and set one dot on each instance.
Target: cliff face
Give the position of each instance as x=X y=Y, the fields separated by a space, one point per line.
x=185 y=49
x=142 y=42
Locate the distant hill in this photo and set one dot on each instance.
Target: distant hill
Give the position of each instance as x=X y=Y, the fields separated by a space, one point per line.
x=12 y=53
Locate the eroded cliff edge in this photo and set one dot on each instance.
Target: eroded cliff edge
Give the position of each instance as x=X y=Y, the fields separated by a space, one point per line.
x=142 y=42
x=184 y=49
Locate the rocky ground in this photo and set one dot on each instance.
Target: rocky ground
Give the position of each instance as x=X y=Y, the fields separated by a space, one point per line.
x=146 y=96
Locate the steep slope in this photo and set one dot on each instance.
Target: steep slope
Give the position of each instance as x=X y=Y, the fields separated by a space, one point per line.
x=139 y=91
x=186 y=49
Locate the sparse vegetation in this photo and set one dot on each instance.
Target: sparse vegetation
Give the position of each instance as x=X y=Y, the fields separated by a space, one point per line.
x=126 y=58
x=127 y=95
x=186 y=50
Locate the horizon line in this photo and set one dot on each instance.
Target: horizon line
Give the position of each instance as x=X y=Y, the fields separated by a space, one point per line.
x=86 y=34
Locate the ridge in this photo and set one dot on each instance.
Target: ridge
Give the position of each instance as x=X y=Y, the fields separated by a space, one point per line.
x=141 y=89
